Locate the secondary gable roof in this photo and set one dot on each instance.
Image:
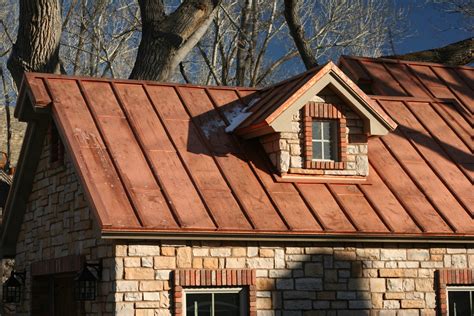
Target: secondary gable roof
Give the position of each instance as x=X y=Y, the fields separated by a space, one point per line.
x=272 y=107
x=155 y=162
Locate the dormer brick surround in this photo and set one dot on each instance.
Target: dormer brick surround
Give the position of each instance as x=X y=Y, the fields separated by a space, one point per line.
x=287 y=150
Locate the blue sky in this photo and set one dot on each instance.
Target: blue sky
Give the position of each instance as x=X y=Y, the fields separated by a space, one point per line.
x=431 y=27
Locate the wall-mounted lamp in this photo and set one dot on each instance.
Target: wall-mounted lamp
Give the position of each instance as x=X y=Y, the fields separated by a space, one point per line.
x=12 y=287
x=85 y=282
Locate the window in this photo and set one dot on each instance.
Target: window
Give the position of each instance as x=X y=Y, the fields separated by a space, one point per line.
x=206 y=292
x=56 y=152
x=460 y=301
x=325 y=143
x=325 y=136
x=215 y=302
x=455 y=292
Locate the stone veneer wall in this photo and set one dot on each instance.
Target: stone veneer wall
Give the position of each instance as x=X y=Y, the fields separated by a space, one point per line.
x=291 y=278
x=58 y=223
x=286 y=150
x=294 y=278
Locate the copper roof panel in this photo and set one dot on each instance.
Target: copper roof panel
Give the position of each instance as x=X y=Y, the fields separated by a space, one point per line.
x=403 y=187
x=457 y=86
x=384 y=82
x=330 y=215
x=353 y=201
x=394 y=215
x=410 y=84
x=448 y=140
x=432 y=153
x=124 y=146
x=198 y=160
x=98 y=174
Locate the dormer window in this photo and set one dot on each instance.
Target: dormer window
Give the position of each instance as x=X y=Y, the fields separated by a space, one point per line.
x=325 y=142
x=314 y=127
x=325 y=134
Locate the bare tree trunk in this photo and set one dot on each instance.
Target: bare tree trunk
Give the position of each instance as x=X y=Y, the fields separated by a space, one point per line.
x=242 y=42
x=166 y=40
x=297 y=32
x=37 y=44
x=455 y=54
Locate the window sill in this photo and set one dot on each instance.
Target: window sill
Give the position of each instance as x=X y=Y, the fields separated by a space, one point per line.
x=316 y=177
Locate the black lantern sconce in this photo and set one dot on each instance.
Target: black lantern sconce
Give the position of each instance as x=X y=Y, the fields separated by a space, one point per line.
x=85 y=282
x=13 y=287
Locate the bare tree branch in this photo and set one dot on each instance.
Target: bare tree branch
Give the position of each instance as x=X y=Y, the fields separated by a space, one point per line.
x=459 y=53
x=297 y=32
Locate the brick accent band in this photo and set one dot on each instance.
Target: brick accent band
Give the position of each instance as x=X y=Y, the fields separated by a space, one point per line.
x=448 y=277
x=316 y=110
x=189 y=278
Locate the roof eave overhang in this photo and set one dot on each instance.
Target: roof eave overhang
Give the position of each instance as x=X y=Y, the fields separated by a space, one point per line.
x=33 y=99
x=289 y=237
x=17 y=200
x=33 y=106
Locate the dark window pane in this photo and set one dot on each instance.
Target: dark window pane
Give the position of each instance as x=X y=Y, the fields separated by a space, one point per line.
x=200 y=303
x=333 y=150
x=317 y=150
x=459 y=303
x=226 y=304
x=327 y=151
x=334 y=133
x=316 y=129
x=327 y=129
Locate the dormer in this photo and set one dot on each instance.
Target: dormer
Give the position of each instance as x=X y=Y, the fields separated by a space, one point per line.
x=315 y=124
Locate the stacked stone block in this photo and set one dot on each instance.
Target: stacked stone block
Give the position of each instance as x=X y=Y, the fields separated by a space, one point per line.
x=295 y=278
x=57 y=223
x=292 y=278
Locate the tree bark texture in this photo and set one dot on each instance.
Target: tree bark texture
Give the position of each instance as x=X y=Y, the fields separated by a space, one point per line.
x=167 y=39
x=297 y=33
x=455 y=54
x=37 y=44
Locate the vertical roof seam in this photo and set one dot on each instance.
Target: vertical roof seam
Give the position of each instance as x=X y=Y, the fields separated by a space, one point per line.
x=449 y=86
x=395 y=194
x=438 y=174
x=311 y=208
x=342 y=207
x=114 y=164
x=413 y=72
x=439 y=142
x=154 y=172
x=180 y=156
x=395 y=78
x=248 y=162
x=218 y=165
x=445 y=119
x=420 y=187
x=376 y=209
x=430 y=165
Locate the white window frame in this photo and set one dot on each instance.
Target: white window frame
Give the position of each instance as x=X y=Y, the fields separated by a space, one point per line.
x=462 y=288
x=242 y=291
x=333 y=138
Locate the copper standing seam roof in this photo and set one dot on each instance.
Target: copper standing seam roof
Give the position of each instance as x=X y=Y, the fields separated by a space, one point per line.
x=154 y=159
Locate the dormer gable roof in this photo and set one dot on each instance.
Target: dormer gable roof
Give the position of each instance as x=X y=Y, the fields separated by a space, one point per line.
x=267 y=110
